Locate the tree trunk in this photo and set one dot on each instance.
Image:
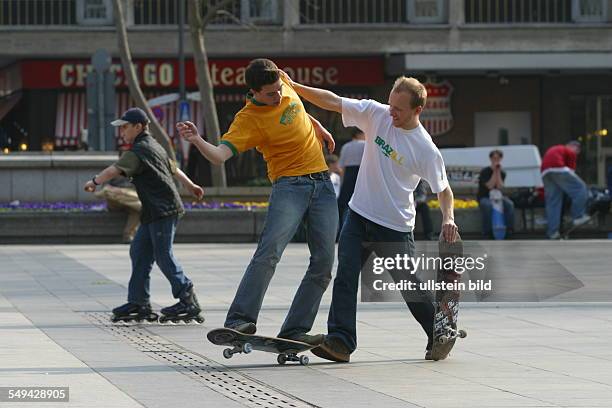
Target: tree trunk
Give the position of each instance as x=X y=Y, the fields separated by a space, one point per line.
x=207 y=101
x=157 y=131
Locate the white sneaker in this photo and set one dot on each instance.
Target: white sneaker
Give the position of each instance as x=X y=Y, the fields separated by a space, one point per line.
x=555 y=235
x=582 y=220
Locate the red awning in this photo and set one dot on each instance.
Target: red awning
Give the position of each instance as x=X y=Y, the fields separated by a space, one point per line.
x=71 y=116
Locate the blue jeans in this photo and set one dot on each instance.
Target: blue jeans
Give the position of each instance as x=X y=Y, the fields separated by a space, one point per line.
x=557 y=183
x=486 y=208
x=354 y=248
x=153 y=243
x=292 y=200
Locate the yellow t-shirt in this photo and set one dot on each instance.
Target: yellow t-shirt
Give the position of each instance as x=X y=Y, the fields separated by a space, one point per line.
x=283 y=134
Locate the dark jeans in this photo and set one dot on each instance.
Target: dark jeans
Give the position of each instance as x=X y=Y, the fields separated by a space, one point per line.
x=153 y=243
x=292 y=199
x=346 y=190
x=356 y=232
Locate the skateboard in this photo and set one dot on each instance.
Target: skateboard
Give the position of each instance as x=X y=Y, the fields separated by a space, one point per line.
x=287 y=350
x=569 y=228
x=498 y=222
x=446 y=302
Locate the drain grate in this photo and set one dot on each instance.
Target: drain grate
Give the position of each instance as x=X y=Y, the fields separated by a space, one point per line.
x=230 y=383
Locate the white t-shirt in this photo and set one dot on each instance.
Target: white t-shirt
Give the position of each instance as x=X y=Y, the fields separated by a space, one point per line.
x=394 y=161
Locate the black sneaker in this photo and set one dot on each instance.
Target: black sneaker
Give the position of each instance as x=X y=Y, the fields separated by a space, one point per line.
x=313 y=340
x=244 y=328
x=333 y=349
x=428 y=348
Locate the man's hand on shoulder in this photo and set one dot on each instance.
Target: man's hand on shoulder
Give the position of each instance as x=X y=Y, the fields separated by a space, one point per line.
x=287 y=78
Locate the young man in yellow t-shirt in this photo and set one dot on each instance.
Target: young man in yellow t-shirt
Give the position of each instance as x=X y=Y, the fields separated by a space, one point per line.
x=275 y=122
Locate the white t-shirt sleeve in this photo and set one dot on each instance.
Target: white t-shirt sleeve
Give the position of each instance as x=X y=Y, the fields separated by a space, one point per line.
x=357 y=112
x=433 y=171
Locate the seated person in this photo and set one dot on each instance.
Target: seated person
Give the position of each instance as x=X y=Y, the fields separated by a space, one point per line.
x=492 y=177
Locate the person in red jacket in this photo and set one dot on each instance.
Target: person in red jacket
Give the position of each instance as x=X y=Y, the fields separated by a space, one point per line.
x=559 y=176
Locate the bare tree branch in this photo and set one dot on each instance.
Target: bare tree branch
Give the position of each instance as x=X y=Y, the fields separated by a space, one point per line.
x=205 y=85
x=157 y=130
x=213 y=10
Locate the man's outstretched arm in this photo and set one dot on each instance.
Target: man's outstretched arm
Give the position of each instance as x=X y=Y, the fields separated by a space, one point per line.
x=324 y=99
x=215 y=154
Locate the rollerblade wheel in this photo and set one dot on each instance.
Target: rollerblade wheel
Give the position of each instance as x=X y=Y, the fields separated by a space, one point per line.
x=199 y=319
x=304 y=360
x=281 y=359
x=227 y=353
x=462 y=334
x=247 y=348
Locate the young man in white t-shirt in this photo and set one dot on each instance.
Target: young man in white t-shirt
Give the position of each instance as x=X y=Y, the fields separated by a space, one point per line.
x=398 y=153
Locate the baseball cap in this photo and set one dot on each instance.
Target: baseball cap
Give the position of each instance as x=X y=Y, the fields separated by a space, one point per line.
x=132 y=115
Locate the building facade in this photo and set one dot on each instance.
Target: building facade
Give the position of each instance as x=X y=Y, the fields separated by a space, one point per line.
x=497 y=71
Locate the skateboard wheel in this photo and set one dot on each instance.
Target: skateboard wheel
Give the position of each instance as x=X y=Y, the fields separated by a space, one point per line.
x=227 y=353
x=462 y=334
x=247 y=348
x=443 y=340
x=281 y=359
x=304 y=360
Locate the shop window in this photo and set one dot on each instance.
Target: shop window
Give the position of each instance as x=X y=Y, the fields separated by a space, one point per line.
x=427 y=11
x=584 y=11
x=260 y=11
x=95 y=12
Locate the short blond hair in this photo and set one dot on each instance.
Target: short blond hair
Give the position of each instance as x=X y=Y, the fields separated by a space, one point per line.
x=412 y=86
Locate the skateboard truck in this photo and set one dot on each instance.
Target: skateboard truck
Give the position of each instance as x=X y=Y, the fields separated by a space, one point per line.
x=246 y=349
x=283 y=358
x=450 y=333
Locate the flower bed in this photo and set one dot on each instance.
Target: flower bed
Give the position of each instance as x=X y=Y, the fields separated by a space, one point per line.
x=17 y=206
x=189 y=206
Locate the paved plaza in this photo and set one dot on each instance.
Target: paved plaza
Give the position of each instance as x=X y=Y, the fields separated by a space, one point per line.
x=55 y=332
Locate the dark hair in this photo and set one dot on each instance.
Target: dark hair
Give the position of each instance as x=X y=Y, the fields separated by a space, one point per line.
x=261 y=72
x=355 y=131
x=498 y=152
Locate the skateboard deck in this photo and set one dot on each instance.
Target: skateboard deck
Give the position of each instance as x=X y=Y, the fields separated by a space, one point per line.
x=287 y=350
x=569 y=228
x=446 y=302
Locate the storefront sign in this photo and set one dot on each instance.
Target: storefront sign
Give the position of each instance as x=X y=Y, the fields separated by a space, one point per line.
x=437 y=117
x=160 y=73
